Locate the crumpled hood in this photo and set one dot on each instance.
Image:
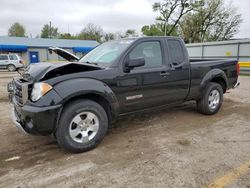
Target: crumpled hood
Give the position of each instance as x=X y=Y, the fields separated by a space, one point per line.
x=39 y=71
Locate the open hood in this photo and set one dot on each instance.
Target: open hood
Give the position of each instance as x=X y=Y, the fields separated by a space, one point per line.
x=44 y=71
x=64 y=53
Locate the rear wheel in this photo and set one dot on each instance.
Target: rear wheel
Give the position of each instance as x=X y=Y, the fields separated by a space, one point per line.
x=82 y=126
x=212 y=99
x=11 y=68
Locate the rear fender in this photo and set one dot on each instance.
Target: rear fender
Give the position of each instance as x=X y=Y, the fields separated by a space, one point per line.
x=212 y=74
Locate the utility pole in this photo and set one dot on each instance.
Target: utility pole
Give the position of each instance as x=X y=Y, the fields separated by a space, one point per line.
x=50 y=35
x=165 y=26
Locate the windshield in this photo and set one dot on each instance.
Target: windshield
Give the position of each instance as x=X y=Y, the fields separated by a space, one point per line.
x=106 y=53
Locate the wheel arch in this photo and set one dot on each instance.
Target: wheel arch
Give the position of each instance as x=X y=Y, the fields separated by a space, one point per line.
x=216 y=76
x=221 y=81
x=86 y=88
x=11 y=64
x=96 y=98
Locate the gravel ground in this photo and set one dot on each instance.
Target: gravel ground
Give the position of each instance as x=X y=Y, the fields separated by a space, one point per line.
x=175 y=147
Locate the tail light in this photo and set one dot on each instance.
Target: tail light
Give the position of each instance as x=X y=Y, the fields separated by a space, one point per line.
x=21 y=61
x=237 y=69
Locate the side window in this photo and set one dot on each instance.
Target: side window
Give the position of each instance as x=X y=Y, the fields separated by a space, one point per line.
x=3 y=57
x=176 y=52
x=13 y=57
x=150 y=51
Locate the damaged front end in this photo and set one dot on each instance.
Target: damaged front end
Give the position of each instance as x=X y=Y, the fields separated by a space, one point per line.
x=35 y=104
x=21 y=88
x=44 y=71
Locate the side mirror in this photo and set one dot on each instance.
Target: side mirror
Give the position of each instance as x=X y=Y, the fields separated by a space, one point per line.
x=138 y=62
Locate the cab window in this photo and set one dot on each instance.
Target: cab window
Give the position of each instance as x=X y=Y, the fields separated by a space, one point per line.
x=150 y=51
x=176 y=52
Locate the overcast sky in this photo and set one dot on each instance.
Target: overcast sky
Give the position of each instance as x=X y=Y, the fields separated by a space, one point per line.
x=73 y=15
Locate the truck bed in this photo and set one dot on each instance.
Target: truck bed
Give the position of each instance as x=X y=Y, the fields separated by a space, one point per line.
x=200 y=67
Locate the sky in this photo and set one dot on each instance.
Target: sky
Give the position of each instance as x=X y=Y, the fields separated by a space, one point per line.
x=72 y=15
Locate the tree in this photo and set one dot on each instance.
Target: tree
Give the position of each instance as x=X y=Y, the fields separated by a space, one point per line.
x=67 y=36
x=212 y=21
x=226 y=25
x=170 y=14
x=152 y=30
x=195 y=20
x=64 y=36
x=16 y=30
x=49 y=32
x=108 y=37
x=130 y=33
x=91 y=32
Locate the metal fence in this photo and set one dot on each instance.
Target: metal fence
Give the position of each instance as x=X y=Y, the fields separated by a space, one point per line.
x=233 y=49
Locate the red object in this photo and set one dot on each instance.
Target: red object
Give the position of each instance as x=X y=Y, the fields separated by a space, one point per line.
x=21 y=61
x=238 y=69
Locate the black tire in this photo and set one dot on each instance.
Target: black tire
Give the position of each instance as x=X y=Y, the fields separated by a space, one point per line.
x=72 y=110
x=203 y=105
x=11 y=68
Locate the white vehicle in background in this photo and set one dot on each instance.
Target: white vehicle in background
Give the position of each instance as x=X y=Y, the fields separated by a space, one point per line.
x=12 y=62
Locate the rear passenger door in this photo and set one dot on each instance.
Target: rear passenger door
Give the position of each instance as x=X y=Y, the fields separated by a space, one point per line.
x=4 y=60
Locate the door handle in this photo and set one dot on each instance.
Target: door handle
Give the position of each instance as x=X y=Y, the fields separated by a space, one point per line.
x=164 y=73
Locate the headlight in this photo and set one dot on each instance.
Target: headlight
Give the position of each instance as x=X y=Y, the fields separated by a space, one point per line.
x=39 y=89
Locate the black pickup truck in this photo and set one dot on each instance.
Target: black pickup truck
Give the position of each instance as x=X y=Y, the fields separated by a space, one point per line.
x=76 y=101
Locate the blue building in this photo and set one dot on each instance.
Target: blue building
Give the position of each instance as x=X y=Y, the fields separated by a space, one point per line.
x=33 y=50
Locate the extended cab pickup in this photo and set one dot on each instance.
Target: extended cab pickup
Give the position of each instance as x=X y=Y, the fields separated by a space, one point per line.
x=76 y=101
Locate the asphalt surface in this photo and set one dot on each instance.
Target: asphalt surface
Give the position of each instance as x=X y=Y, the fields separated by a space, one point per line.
x=175 y=147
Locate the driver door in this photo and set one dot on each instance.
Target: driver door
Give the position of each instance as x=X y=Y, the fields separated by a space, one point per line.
x=145 y=86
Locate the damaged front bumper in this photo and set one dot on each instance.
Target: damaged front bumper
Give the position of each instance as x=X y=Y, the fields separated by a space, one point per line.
x=38 y=118
x=16 y=121
x=35 y=120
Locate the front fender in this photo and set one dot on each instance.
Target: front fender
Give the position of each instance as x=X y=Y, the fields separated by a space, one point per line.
x=81 y=86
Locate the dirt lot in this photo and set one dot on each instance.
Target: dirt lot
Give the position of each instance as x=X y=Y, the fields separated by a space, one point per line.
x=170 y=148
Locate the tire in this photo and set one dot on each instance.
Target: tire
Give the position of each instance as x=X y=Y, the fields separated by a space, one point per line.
x=11 y=68
x=77 y=129
x=211 y=100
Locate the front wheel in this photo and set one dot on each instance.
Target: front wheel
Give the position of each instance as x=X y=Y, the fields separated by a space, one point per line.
x=212 y=99
x=82 y=126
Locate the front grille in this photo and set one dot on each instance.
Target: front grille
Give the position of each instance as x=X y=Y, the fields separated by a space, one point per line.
x=18 y=92
x=21 y=91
